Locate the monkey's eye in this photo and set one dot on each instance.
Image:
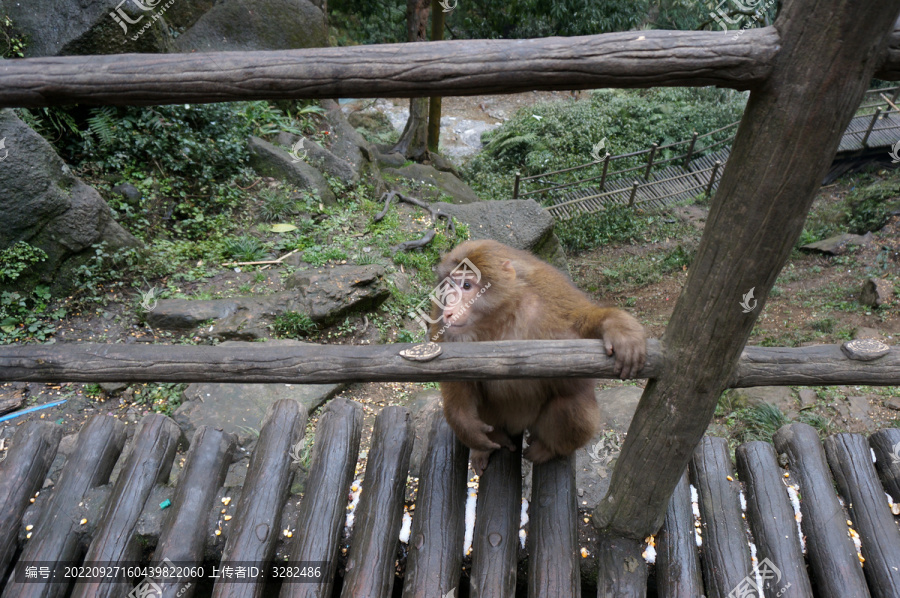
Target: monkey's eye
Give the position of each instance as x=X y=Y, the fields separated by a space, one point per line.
x=467 y=285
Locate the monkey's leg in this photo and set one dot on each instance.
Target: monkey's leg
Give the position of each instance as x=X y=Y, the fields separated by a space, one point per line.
x=566 y=423
x=480 y=458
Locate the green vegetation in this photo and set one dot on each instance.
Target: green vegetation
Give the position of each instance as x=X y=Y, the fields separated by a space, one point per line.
x=866 y=208
x=12 y=42
x=24 y=315
x=559 y=135
x=293 y=324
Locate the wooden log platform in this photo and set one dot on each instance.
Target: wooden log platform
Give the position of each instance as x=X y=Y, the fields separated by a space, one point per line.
x=800 y=517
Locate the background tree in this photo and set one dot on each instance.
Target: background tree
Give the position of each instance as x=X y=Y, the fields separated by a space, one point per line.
x=414 y=140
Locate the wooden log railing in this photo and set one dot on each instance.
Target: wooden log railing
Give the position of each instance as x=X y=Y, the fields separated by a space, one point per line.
x=320 y=364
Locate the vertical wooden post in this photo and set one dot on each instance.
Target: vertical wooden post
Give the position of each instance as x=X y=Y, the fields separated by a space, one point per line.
x=754 y=222
x=875 y=116
x=712 y=177
x=605 y=169
x=434 y=104
x=687 y=159
x=516 y=185
x=653 y=149
x=634 y=189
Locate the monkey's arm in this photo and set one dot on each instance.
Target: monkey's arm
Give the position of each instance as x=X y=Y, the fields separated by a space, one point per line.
x=623 y=336
x=461 y=411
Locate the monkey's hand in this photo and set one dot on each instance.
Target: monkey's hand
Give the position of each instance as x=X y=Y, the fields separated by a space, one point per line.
x=475 y=435
x=629 y=345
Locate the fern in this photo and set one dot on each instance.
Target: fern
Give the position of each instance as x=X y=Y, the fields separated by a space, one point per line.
x=102 y=125
x=510 y=145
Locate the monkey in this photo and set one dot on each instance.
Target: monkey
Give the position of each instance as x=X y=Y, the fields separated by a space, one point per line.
x=491 y=292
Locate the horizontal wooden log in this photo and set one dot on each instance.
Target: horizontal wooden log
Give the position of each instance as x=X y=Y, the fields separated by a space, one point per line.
x=832 y=557
x=58 y=533
x=445 y=68
x=319 y=364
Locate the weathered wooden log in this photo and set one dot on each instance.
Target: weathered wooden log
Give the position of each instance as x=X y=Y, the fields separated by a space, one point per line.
x=726 y=555
x=623 y=571
x=771 y=519
x=553 y=559
x=149 y=463
x=438 y=528
x=677 y=562
x=755 y=221
x=323 y=510
x=258 y=514
x=21 y=475
x=183 y=537
x=373 y=548
x=318 y=364
x=447 y=68
x=886 y=444
x=829 y=550
x=851 y=463
x=497 y=515
x=58 y=532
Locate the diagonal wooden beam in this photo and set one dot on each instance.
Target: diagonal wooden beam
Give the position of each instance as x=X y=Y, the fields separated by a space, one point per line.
x=787 y=138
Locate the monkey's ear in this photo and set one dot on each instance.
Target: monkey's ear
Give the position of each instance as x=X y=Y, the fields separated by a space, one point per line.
x=507 y=267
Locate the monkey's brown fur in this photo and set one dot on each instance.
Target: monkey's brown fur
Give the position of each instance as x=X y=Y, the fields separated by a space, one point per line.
x=520 y=297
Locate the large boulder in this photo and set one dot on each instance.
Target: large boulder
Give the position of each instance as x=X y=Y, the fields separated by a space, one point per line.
x=48 y=207
x=329 y=294
x=240 y=25
x=430 y=183
x=270 y=160
x=67 y=27
x=519 y=223
x=321 y=158
x=347 y=143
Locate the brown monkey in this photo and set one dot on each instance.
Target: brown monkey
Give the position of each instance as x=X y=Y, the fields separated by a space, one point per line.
x=491 y=292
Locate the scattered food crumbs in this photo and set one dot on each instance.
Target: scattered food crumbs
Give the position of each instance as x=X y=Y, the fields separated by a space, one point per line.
x=729 y=478
x=29 y=527
x=584 y=553
x=226 y=500
x=83 y=521
x=28 y=535
x=227 y=517
x=218 y=532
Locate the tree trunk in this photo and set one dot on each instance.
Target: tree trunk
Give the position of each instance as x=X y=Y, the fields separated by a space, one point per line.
x=438 y=17
x=786 y=141
x=414 y=141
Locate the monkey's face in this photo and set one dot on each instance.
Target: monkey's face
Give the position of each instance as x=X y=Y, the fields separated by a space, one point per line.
x=461 y=293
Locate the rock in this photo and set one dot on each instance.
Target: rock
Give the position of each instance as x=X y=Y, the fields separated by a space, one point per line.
x=617 y=406
x=441 y=183
x=779 y=396
x=444 y=165
x=401 y=282
x=270 y=160
x=181 y=15
x=131 y=194
x=67 y=444
x=347 y=144
x=242 y=25
x=254 y=315
x=322 y=159
x=519 y=223
x=240 y=408
x=45 y=205
x=174 y=314
x=11 y=399
x=859 y=415
x=69 y=27
x=423 y=407
x=808 y=398
x=893 y=404
x=838 y=245
x=331 y=293
x=390 y=160
x=374 y=122
x=876 y=292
